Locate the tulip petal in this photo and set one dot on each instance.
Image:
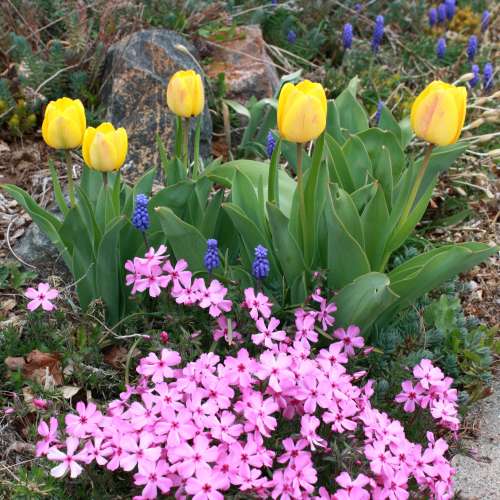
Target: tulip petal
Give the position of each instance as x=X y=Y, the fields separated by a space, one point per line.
x=121 y=143
x=304 y=120
x=88 y=138
x=286 y=91
x=178 y=98
x=102 y=152
x=198 y=96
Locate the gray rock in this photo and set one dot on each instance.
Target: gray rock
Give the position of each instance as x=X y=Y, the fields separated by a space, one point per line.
x=479 y=478
x=136 y=74
x=248 y=70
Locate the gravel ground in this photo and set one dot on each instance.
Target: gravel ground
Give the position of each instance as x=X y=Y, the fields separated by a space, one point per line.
x=479 y=478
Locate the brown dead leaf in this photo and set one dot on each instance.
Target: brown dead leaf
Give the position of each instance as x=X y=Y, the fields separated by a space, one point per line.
x=44 y=368
x=8 y=305
x=116 y=356
x=14 y=363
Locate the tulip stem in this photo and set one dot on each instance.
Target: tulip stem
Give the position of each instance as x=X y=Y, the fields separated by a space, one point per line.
x=302 y=203
x=105 y=179
x=417 y=183
x=69 y=172
x=185 y=143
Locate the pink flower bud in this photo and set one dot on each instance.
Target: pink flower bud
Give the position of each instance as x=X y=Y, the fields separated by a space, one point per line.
x=164 y=337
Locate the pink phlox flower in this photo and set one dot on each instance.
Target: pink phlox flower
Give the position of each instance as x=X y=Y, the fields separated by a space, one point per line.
x=213 y=298
x=381 y=460
x=139 y=450
x=222 y=331
x=49 y=434
x=447 y=413
x=308 y=426
x=177 y=273
x=154 y=477
x=135 y=269
x=258 y=414
x=218 y=392
x=350 y=338
x=85 y=423
x=276 y=369
x=339 y=413
x=191 y=458
x=305 y=332
x=240 y=370
x=42 y=296
x=223 y=427
x=169 y=395
x=352 y=489
x=69 y=459
x=159 y=368
x=177 y=426
x=145 y=413
x=154 y=280
x=313 y=391
x=245 y=456
x=395 y=486
x=409 y=396
x=427 y=373
x=153 y=258
x=187 y=292
x=268 y=333
x=206 y=485
x=259 y=305
x=99 y=450
x=324 y=314
x=40 y=404
x=303 y=475
x=292 y=450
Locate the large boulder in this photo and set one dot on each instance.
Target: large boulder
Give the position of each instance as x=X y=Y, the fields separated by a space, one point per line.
x=136 y=74
x=248 y=70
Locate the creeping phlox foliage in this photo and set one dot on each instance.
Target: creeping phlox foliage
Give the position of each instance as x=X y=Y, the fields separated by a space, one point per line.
x=212 y=425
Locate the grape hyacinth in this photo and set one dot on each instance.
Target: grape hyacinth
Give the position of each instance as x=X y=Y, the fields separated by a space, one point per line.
x=378 y=33
x=432 y=15
x=291 y=36
x=347 y=36
x=441 y=13
x=271 y=144
x=475 y=79
x=450 y=9
x=485 y=21
x=488 y=77
x=260 y=265
x=211 y=259
x=472 y=48
x=140 y=218
x=378 y=113
x=441 y=48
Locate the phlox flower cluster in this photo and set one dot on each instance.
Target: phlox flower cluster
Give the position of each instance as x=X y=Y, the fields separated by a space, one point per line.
x=432 y=390
x=155 y=272
x=211 y=427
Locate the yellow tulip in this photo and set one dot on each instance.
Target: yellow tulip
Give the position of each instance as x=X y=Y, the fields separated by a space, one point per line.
x=185 y=95
x=104 y=148
x=301 y=111
x=438 y=113
x=64 y=123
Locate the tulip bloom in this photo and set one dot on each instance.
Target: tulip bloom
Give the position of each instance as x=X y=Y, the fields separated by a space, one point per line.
x=301 y=111
x=185 y=95
x=438 y=113
x=64 y=123
x=104 y=148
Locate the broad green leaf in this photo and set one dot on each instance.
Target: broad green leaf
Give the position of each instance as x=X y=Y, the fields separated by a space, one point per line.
x=406 y=131
x=374 y=139
x=186 y=241
x=382 y=172
x=375 y=229
x=289 y=151
x=388 y=122
x=273 y=194
x=174 y=197
x=298 y=291
x=243 y=194
x=285 y=246
x=358 y=161
x=90 y=183
x=363 y=195
x=441 y=159
x=363 y=301
x=84 y=275
x=211 y=217
x=251 y=236
x=352 y=115
x=346 y=258
x=88 y=217
x=333 y=122
x=338 y=168
x=423 y=273
x=109 y=271
x=58 y=194
x=348 y=213
x=238 y=107
x=223 y=174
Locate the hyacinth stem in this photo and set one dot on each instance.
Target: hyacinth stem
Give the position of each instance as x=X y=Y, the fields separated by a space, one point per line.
x=145 y=238
x=69 y=170
x=302 y=203
x=185 y=142
x=417 y=183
